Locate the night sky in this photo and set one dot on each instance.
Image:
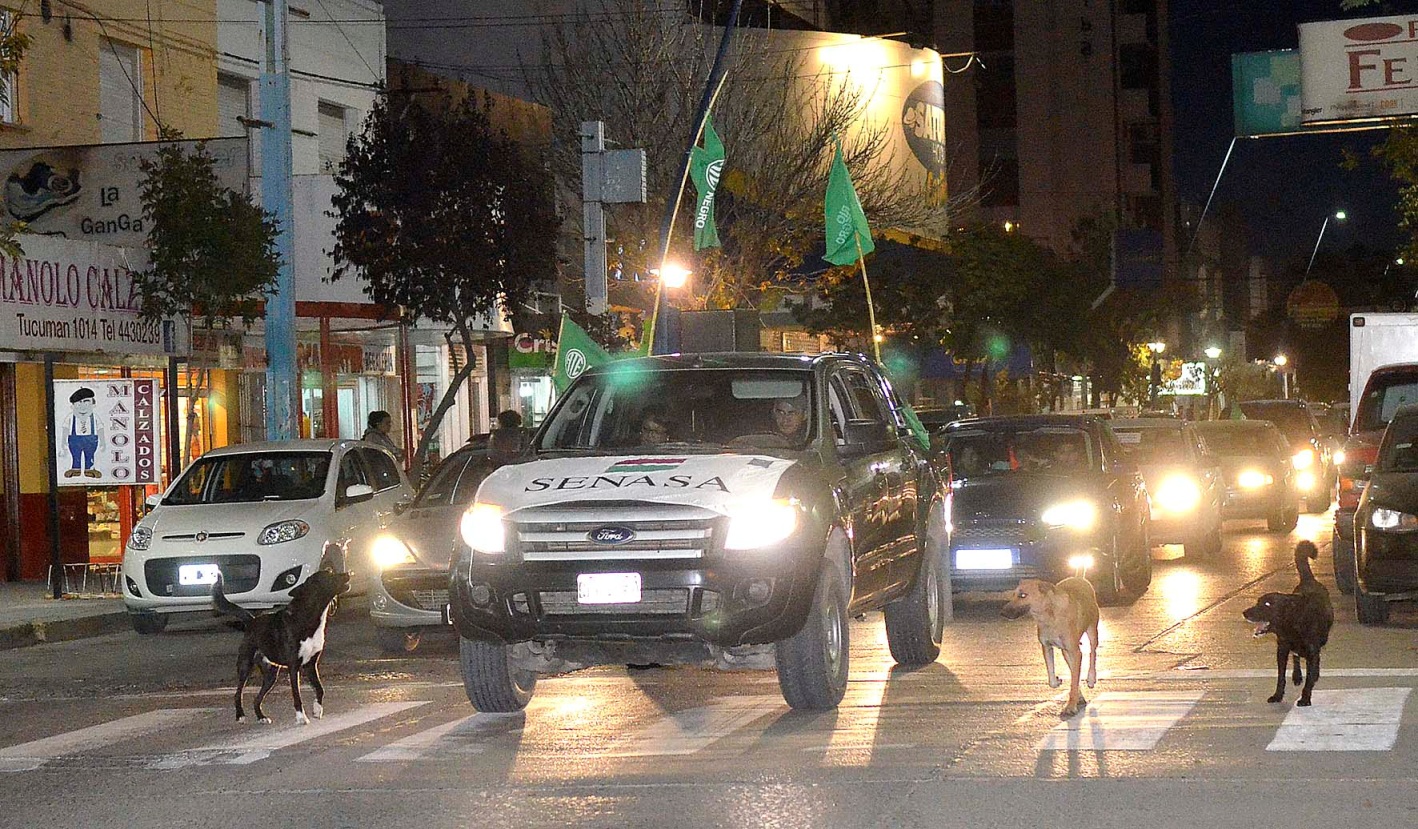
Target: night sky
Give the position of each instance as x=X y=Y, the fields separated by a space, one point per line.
x=1283 y=186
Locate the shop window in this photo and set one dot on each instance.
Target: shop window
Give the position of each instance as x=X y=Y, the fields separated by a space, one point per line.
x=381 y=467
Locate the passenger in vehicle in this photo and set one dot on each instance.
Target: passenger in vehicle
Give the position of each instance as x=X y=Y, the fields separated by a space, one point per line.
x=507 y=443
x=654 y=426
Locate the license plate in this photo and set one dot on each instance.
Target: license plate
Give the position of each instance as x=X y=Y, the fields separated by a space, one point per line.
x=608 y=588
x=197 y=574
x=984 y=559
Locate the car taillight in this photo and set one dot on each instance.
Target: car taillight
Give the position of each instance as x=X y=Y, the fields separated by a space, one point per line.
x=1351 y=474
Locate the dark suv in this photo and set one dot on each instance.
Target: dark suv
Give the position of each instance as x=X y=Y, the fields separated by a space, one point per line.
x=1310 y=453
x=727 y=509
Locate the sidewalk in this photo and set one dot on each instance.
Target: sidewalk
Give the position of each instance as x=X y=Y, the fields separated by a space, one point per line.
x=28 y=616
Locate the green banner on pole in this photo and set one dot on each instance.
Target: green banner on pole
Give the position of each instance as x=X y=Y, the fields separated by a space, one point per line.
x=575 y=352
x=706 y=164
x=847 y=228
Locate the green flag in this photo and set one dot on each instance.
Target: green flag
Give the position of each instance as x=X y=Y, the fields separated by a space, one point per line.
x=575 y=352
x=918 y=429
x=705 y=165
x=846 y=223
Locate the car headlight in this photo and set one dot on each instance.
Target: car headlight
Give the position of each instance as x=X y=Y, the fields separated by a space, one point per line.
x=140 y=538
x=282 y=531
x=1305 y=481
x=1178 y=493
x=755 y=524
x=1075 y=515
x=1304 y=459
x=1392 y=519
x=389 y=551
x=1254 y=479
x=1339 y=457
x=481 y=527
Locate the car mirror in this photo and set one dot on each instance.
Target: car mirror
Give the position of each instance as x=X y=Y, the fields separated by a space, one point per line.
x=152 y=501
x=863 y=437
x=355 y=493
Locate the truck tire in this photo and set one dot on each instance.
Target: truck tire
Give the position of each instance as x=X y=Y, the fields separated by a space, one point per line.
x=493 y=685
x=915 y=623
x=147 y=624
x=1343 y=563
x=812 y=663
x=1136 y=571
x=1371 y=609
x=1107 y=580
x=1284 y=521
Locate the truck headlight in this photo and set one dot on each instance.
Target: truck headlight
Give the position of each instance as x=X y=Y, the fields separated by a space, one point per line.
x=481 y=527
x=389 y=551
x=140 y=538
x=1178 y=493
x=1305 y=481
x=755 y=524
x=282 y=531
x=1392 y=519
x=1254 y=479
x=1075 y=515
x=1304 y=459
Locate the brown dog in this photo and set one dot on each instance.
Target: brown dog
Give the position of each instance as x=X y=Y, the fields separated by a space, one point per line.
x=1063 y=612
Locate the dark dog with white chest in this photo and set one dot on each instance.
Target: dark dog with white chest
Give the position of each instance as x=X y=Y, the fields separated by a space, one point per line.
x=1300 y=621
x=291 y=637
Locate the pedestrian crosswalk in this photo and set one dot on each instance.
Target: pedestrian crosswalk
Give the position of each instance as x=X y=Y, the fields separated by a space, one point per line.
x=1359 y=719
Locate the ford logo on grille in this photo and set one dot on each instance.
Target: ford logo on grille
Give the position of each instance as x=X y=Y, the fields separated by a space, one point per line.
x=611 y=535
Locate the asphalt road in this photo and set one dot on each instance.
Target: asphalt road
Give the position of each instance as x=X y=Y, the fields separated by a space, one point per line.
x=129 y=731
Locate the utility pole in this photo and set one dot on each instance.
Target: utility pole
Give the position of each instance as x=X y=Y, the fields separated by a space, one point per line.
x=276 y=199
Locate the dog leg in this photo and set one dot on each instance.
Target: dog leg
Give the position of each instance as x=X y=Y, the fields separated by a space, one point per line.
x=1312 y=675
x=1073 y=655
x=300 y=717
x=1295 y=675
x=1093 y=655
x=1054 y=680
x=312 y=675
x=269 y=674
x=243 y=673
x=1281 y=652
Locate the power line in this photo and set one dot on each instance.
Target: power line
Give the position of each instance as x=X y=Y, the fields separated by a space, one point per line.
x=353 y=48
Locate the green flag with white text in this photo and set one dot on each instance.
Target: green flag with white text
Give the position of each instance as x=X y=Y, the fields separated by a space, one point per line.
x=575 y=352
x=846 y=223
x=706 y=163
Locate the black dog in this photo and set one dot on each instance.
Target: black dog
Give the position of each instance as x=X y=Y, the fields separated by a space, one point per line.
x=1300 y=621
x=292 y=637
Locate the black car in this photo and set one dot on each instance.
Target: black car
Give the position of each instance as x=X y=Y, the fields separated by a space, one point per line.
x=1043 y=496
x=775 y=497
x=1184 y=483
x=1255 y=460
x=935 y=418
x=1386 y=523
x=1310 y=453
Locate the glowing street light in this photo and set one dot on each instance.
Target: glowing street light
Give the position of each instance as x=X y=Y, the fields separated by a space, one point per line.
x=1157 y=347
x=1212 y=353
x=1339 y=215
x=1281 y=360
x=673 y=275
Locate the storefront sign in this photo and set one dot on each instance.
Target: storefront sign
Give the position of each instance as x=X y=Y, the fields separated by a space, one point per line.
x=93 y=192
x=72 y=296
x=1356 y=69
x=106 y=432
x=531 y=352
x=1191 y=380
x=378 y=359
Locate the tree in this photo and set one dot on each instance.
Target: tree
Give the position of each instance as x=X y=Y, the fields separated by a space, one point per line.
x=444 y=217
x=212 y=252
x=640 y=66
x=12 y=49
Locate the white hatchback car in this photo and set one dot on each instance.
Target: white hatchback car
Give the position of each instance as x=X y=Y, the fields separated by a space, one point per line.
x=264 y=515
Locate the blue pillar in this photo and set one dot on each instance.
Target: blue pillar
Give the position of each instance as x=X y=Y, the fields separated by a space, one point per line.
x=276 y=197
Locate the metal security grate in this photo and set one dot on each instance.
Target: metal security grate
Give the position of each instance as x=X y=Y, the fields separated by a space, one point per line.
x=431 y=599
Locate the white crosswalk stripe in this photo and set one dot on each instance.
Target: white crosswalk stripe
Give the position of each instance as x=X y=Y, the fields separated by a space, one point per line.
x=694 y=729
x=461 y=736
x=260 y=745
x=1121 y=721
x=1353 y=719
x=32 y=755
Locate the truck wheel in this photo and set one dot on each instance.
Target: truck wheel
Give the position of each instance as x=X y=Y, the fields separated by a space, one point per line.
x=493 y=685
x=916 y=622
x=147 y=624
x=1107 y=580
x=1284 y=521
x=812 y=663
x=1343 y=563
x=1371 y=609
x=1137 y=570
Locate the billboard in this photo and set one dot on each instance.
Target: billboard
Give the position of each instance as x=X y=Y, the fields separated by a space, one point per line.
x=1359 y=69
x=1265 y=92
x=106 y=432
x=92 y=191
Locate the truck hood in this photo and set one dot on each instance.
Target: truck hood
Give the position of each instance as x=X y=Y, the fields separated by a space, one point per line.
x=249 y=518
x=713 y=482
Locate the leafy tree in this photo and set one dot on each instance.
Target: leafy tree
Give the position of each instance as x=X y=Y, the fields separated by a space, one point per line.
x=445 y=217
x=212 y=252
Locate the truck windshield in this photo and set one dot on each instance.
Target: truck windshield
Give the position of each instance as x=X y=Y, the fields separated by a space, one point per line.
x=692 y=408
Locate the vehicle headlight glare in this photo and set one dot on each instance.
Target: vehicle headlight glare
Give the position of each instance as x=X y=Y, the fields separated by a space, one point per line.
x=1392 y=519
x=1304 y=459
x=389 y=551
x=1305 y=481
x=282 y=531
x=1254 y=479
x=754 y=524
x=1075 y=515
x=1082 y=561
x=1339 y=457
x=1178 y=493
x=140 y=539
x=481 y=527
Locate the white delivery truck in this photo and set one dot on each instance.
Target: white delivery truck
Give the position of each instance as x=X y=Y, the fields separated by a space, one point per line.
x=1378 y=340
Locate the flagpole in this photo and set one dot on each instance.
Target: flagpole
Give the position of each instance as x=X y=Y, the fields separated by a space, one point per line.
x=871 y=309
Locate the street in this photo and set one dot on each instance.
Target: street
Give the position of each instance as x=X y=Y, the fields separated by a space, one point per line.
x=138 y=731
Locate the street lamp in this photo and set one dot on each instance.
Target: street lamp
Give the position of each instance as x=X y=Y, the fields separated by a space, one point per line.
x=1213 y=353
x=1280 y=362
x=1154 y=382
x=1339 y=215
x=671 y=275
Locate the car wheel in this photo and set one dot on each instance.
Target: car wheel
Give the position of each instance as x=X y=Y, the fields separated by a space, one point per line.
x=916 y=622
x=493 y=684
x=1137 y=570
x=1371 y=609
x=1284 y=521
x=148 y=623
x=398 y=640
x=812 y=663
x=1343 y=563
x=1204 y=545
x=1108 y=583
x=1313 y=505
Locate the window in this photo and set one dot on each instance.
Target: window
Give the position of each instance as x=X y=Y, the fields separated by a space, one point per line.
x=233 y=104
x=351 y=473
x=382 y=468
x=866 y=402
x=120 y=93
x=1137 y=66
x=9 y=81
x=1000 y=183
x=332 y=135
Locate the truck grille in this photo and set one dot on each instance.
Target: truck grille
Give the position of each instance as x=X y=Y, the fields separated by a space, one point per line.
x=1001 y=532
x=659 y=532
x=652 y=603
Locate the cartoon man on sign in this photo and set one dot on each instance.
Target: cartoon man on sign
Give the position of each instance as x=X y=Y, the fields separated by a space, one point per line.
x=83 y=434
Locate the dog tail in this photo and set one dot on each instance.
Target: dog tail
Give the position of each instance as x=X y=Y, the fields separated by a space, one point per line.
x=1304 y=551
x=222 y=606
